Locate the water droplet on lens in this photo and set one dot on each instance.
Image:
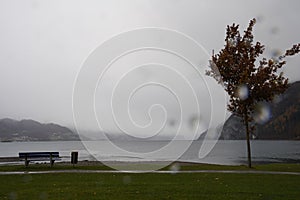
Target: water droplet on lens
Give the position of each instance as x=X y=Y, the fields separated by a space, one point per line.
x=260 y=18
x=172 y=122
x=262 y=113
x=27 y=178
x=13 y=196
x=274 y=30
x=242 y=92
x=276 y=53
x=126 y=180
x=43 y=195
x=277 y=99
x=175 y=168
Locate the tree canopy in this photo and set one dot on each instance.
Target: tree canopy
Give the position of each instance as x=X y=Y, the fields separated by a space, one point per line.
x=247 y=78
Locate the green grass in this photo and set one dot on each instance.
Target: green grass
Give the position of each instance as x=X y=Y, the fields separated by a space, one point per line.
x=149 y=186
x=284 y=167
x=46 y=167
x=279 y=167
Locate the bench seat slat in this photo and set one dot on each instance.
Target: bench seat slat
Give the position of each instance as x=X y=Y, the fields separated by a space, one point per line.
x=38 y=154
x=40 y=159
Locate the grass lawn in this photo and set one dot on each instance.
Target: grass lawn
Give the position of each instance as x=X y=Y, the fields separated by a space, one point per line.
x=149 y=186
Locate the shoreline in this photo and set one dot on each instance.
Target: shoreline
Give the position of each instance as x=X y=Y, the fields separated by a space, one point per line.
x=9 y=159
x=14 y=160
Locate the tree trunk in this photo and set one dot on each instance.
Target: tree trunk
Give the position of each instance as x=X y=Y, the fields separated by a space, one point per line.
x=248 y=140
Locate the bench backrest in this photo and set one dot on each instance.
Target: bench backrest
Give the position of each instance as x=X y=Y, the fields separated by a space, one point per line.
x=38 y=154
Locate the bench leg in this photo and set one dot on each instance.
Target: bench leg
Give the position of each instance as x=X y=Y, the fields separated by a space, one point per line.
x=52 y=162
x=26 y=161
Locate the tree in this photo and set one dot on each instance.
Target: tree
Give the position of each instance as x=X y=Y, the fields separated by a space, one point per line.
x=247 y=81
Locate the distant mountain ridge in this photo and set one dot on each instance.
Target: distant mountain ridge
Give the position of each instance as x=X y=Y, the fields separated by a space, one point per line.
x=30 y=130
x=284 y=123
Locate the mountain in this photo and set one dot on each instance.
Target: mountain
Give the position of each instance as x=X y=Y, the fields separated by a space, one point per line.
x=30 y=130
x=284 y=123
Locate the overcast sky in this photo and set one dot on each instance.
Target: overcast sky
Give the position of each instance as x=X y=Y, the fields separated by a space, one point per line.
x=44 y=43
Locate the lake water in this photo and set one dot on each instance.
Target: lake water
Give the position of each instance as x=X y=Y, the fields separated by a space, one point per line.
x=225 y=152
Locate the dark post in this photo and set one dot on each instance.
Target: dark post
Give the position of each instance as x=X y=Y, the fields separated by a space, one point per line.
x=51 y=160
x=26 y=161
x=74 y=157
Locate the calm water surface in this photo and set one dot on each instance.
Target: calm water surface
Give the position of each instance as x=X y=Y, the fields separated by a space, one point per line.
x=225 y=152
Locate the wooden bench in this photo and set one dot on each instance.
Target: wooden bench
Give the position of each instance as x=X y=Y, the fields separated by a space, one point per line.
x=39 y=156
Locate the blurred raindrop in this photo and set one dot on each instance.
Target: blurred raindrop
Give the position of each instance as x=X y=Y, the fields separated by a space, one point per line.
x=248 y=41
x=259 y=18
x=126 y=180
x=13 y=196
x=262 y=113
x=99 y=183
x=43 y=195
x=233 y=41
x=27 y=178
x=277 y=99
x=276 y=53
x=175 y=168
x=35 y=5
x=215 y=73
x=172 y=122
x=274 y=30
x=242 y=92
x=193 y=122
